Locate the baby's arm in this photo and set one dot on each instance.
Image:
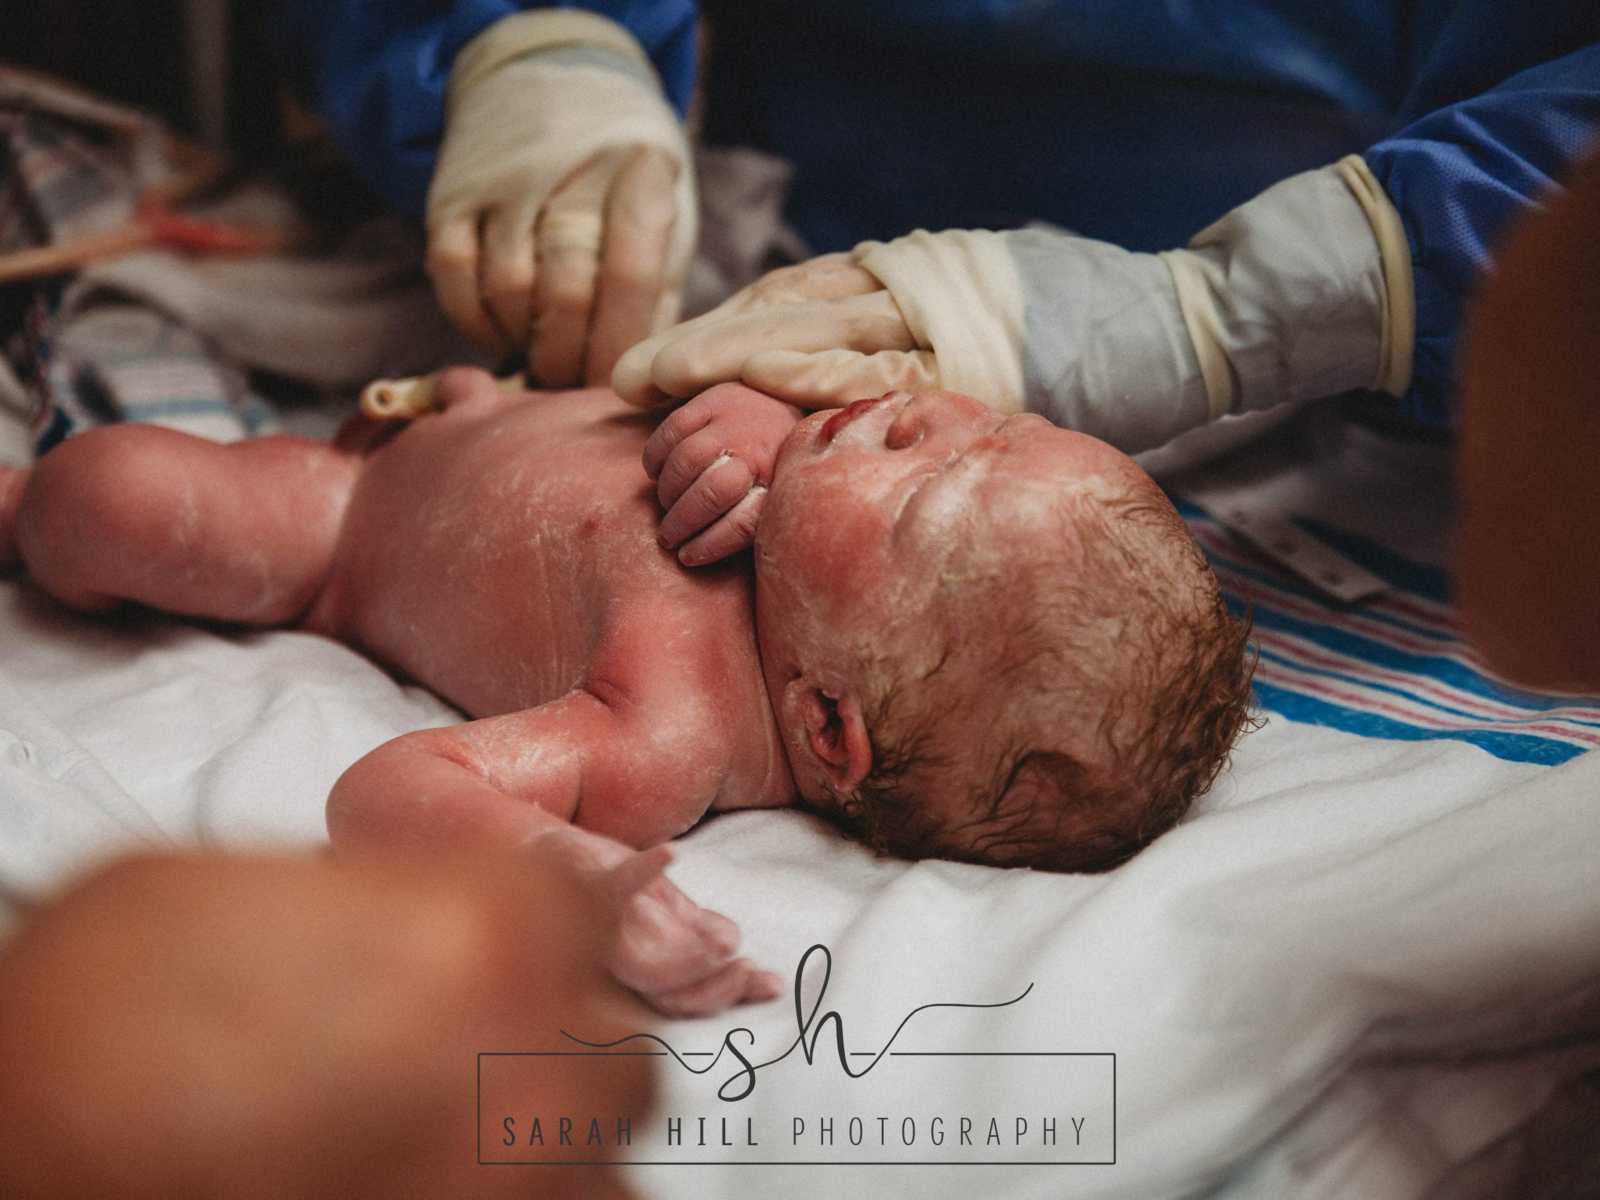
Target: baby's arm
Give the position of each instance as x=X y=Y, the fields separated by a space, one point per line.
x=509 y=781
x=712 y=461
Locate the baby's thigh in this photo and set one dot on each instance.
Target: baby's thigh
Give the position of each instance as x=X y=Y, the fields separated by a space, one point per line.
x=236 y=532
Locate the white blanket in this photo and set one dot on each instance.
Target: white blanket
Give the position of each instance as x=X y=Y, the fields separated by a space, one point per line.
x=1355 y=966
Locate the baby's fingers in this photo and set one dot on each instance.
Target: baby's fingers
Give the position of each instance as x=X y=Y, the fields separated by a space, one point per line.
x=691 y=459
x=736 y=983
x=635 y=873
x=720 y=488
x=761 y=987
x=729 y=535
x=656 y=952
x=679 y=424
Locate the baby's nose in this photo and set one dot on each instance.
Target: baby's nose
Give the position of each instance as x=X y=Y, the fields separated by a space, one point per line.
x=931 y=412
x=905 y=430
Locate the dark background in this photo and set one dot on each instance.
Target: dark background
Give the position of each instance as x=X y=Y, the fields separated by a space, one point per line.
x=137 y=51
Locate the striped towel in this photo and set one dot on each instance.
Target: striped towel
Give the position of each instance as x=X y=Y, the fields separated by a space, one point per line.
x=1394 y=667
x=70 y=166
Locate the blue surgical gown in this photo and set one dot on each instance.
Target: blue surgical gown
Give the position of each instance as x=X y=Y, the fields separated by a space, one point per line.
x=1134 y=122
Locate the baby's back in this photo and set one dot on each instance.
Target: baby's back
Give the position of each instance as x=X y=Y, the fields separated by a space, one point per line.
x=503 y=551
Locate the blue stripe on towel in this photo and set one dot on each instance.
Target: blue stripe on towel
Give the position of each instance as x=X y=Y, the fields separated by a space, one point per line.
x=1395 y=667
x=1514 y=747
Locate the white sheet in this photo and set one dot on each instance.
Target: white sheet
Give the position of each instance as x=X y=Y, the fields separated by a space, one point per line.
x=1289 y=981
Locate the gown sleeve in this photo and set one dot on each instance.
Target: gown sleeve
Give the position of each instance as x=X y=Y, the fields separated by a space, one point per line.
x=377 y=70
x=1460 y=175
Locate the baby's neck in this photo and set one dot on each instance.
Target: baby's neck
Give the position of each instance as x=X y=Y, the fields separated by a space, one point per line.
x=759 y=775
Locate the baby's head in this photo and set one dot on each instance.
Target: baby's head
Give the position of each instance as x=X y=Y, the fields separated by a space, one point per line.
x=986 y=638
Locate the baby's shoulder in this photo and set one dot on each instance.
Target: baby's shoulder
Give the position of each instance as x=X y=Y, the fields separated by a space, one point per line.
x=680 y=665
x=662 y=660
x=664 y=766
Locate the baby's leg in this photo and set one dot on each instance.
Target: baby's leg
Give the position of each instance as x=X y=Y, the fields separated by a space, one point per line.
x=241 y=532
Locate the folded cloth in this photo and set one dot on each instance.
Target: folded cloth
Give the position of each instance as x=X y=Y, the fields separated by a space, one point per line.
x=164 y=337
x=60 y=811
x=332 y=322
x=72 y=164
x=124 y=361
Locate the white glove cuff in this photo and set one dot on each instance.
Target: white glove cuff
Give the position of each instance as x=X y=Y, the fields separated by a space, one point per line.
x=961 y=297
x=1399 y=293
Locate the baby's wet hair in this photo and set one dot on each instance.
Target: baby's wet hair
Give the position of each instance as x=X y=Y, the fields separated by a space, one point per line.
x=1163 y=708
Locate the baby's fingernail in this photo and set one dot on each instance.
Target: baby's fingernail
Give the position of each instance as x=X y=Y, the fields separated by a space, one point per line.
x=766 y=985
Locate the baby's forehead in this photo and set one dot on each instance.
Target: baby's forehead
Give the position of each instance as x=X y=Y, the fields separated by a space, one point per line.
x=1088 y=544
x=1036 y=458
x=1034 y=506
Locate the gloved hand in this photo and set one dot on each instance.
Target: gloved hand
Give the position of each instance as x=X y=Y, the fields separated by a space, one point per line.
x=561 y=217
x=712 y=460
x=1303 y=292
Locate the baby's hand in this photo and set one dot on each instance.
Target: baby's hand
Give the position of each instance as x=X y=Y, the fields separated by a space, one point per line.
x=678 y=956
x=712 y=461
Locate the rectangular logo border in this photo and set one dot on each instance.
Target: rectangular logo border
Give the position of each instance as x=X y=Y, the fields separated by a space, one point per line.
x=821 y=1162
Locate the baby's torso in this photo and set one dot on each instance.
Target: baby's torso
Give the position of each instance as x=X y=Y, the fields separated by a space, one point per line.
x=503 y=553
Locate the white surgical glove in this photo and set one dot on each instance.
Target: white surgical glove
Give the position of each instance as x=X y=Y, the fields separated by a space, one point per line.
x=1304 y=291
x=561 y=217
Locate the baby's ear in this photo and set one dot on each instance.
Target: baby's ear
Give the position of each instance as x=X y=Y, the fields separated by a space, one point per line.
x=835 y=732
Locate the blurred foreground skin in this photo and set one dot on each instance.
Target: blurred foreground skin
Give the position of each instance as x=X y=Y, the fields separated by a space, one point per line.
x=1529 y=541
x=206 y=1025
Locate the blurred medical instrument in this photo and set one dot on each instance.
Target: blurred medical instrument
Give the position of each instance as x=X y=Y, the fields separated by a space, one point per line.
x=156 y=223
x=405 y=399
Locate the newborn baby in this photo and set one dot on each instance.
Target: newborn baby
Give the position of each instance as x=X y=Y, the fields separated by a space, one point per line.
x=964 y=635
